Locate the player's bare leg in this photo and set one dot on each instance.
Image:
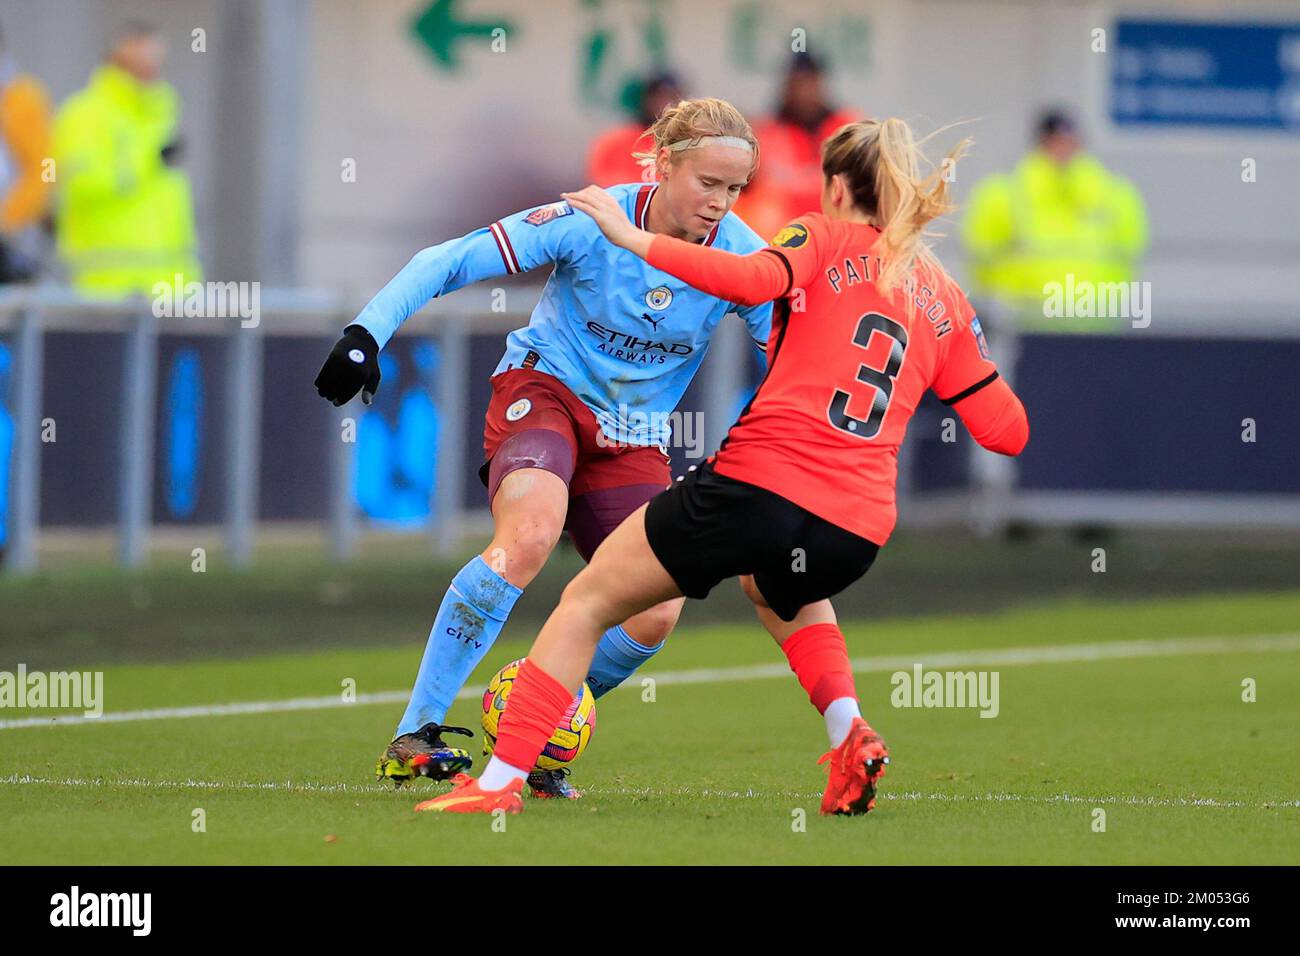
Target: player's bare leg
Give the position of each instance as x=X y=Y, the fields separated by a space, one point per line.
x=652 y=625
x=814 y=646
x=648 y=629
x=820 y=612
x=526 y=536
x=528 y=512
x=529 y=515
x=623 y=579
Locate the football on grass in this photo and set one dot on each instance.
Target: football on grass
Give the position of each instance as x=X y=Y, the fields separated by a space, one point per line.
x=571 y=736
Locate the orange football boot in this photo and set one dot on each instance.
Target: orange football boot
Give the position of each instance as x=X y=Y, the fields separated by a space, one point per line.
x=856 y=765
x=465 y=796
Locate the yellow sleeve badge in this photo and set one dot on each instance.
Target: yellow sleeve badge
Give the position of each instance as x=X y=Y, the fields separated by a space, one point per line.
x=791 y=237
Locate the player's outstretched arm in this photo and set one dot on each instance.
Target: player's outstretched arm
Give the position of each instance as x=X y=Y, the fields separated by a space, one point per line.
x=610 y=217
x=432 y=272
x=745 y=280
x=514 y=244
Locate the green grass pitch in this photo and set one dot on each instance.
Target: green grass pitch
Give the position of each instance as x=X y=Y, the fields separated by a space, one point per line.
x=720 y=768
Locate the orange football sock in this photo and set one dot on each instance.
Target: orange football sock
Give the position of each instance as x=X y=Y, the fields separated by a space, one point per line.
x=537 y=702
x=820 y=659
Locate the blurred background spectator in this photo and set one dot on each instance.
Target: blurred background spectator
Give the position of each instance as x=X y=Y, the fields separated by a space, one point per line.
x=1059 y=212
x=25 y=184
x=789 y=177
x=125 y=218
x=325 y=146
x=609 y=161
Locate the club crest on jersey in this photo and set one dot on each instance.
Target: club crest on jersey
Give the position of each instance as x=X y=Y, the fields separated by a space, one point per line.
x=544 y=214
x=659 y=298
x=518 y=410
x=982 y=342
x=791 y=237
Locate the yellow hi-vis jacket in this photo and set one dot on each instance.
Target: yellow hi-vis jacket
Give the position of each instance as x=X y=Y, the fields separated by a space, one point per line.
x=125 y=218
x=1045 y=221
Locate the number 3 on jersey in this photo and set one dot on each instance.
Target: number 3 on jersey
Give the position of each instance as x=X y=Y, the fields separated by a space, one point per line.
x=881 y=380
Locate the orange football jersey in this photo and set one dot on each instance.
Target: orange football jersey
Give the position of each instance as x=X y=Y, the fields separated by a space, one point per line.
x=847 y=367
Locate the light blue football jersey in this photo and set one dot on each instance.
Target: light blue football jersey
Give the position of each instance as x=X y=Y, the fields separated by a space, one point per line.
x=624 y=337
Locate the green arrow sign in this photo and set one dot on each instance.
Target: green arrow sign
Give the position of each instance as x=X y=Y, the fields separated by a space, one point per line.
x=439 y=29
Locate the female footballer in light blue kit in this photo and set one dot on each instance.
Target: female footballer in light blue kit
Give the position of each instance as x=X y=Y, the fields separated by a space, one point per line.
x=576 y=427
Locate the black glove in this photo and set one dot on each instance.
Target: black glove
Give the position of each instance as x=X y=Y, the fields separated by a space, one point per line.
x=353 y=364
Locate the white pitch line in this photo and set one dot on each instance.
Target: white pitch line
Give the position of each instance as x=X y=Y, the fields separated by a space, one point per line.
x=215 y=710
x=381 y=790
x=1009 y=656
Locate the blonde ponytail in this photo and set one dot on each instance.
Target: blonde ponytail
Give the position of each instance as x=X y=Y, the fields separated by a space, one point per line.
x=882 y=162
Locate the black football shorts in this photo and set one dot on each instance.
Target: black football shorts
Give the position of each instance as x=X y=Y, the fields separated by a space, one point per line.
x=707 y=527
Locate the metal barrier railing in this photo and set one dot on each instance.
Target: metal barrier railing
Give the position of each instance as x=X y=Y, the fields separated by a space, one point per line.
x=989 y=502
x=28 y=313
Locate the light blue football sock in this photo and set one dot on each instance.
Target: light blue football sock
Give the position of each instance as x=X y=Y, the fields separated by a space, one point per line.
x=617 y=656
x=470 y=618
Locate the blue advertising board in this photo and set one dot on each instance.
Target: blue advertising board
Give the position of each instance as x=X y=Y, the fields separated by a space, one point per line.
x=1240 y=75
